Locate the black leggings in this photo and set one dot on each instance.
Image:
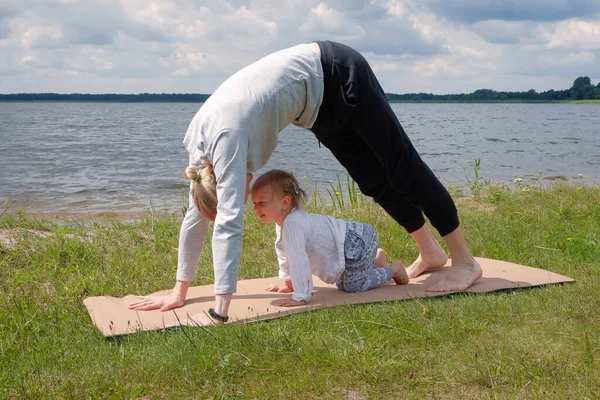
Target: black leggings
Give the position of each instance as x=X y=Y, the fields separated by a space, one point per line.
x=358 y=125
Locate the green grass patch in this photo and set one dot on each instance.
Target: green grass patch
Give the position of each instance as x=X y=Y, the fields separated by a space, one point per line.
x=596 y=101
x=535 y=343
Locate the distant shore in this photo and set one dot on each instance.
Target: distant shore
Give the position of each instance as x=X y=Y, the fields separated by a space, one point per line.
x=581 y=90
x=200 y=98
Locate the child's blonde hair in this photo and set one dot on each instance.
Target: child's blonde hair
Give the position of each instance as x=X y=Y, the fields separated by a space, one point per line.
x=284 y=184
x=204 y=190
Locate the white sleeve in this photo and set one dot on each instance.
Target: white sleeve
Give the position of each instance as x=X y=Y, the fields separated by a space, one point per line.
x=230 y=166
x=192 y=236
x=284 y=267
x=298 y=261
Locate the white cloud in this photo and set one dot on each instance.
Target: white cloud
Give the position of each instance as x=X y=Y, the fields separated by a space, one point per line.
x=325 y=19
x=441 y=68
x=580 y=58
x=575 y=34
x=39 y=35
x=507 y=32
x=193 y=45
x=471 y=11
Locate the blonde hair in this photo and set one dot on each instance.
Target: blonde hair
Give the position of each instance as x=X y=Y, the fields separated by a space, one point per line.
x=284 y=184
x=204 y=189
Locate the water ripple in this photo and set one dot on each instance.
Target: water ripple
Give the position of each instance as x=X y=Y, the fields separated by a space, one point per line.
x=110 y=157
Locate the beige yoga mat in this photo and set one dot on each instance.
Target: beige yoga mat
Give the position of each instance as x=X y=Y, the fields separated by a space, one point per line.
x=253 y=303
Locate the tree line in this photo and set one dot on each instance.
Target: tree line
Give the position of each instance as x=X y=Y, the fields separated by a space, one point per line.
x=582 y=89
x=108 y=97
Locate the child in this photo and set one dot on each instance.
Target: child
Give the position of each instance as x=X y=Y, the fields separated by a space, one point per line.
x=337 y=251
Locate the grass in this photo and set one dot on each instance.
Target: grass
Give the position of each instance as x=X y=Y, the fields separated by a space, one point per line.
x=596 y=101
x=536 y=344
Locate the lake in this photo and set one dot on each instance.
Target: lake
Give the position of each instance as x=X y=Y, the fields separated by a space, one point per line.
x=126 y=157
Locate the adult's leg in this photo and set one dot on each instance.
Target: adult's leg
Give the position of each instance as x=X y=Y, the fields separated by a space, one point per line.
x=332 y=128
x=357 y=124
x=371 y=176
x=413 y=177
x=355 y=102
x=366 y=170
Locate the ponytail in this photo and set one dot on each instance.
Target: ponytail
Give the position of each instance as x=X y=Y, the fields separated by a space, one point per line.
x=204 y=189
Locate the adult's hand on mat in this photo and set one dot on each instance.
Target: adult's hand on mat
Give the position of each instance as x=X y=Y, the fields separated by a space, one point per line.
x=289 y=303
x=165 y=303
x=173 y=300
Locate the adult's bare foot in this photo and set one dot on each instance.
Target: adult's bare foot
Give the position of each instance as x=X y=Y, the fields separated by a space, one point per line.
x=427 y=262
x=381 y=259
x=399 y=274
x=461 y=276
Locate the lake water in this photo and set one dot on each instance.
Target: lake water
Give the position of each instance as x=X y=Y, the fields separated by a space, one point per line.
x=125 y=157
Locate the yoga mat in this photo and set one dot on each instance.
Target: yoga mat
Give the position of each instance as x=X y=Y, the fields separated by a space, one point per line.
x=253 y=303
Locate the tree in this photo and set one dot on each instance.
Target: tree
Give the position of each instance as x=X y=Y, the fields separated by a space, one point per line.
x=531 y=95
x=582 y=89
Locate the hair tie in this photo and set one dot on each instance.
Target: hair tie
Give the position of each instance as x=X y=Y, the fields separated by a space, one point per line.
x=295 y=187
x=198 y=176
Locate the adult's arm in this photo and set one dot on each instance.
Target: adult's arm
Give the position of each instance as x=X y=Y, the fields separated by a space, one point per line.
x=192 y=236
x=230 y=166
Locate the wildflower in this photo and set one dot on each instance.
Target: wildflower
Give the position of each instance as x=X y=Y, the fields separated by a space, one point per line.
x=569 y=239
x=518 y=180
x=426 y=312
x=579 y=188
x=580 y=176
x=337 y=193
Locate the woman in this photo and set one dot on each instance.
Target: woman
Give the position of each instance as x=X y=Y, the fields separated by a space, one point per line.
x=330 y=89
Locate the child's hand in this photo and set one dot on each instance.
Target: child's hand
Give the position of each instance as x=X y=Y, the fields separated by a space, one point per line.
x=289 y=303
x=288 y=288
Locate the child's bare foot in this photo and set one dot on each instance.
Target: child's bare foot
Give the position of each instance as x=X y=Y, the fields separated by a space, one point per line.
x=462 y=275
x=427 y=262
x=381 y=259
x=399 y=274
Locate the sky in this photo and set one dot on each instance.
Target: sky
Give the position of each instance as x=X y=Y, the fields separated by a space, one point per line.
x=187 y=46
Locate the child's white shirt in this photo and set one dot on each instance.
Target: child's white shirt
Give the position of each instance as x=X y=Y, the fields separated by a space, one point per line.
x=307 y=245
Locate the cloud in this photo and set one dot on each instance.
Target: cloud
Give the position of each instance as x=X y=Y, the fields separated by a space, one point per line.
x=472 y=11
x=65 y=23
x=4 y=28
x=362 y=10
x=329 y=21
x=388 y=38
x=574 y=34
x=8 y=9
x=507 y=32
x=192 y=46
x=370 y=28
x=7 y=13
